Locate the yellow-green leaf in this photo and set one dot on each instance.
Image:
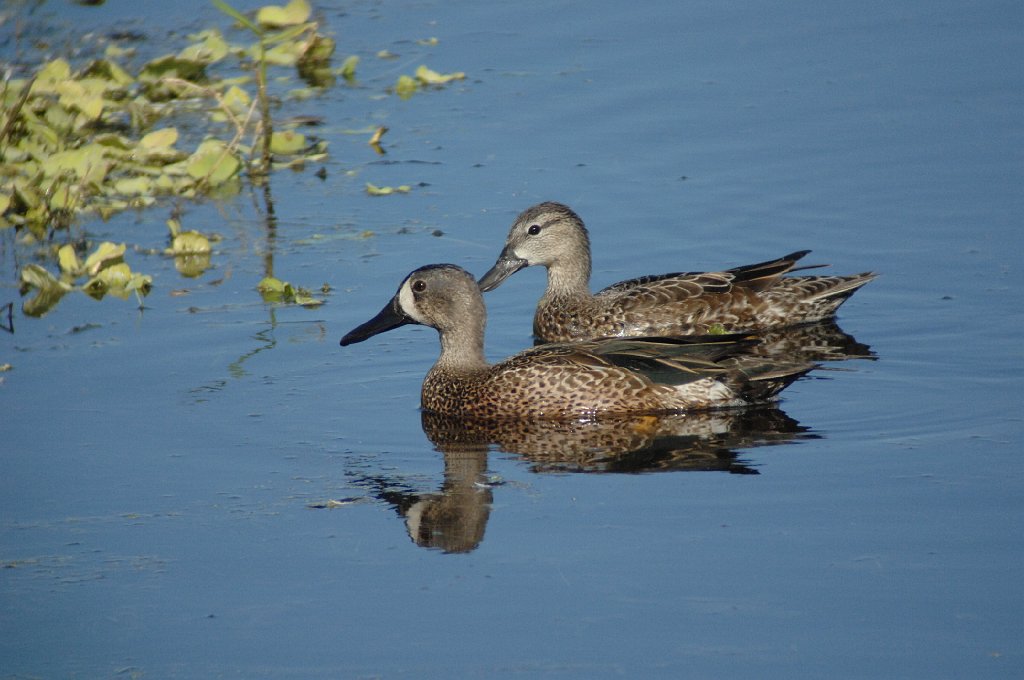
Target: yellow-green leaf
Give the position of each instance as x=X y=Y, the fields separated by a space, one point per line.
x=189 y=242
x=213 y=162
x=116 y=275
x=287 y=142
x=270 y=284
x=37 y=277
x=210 y=48
x=161 y=138
x=374 y=190
x=134 y=186
x=406 y=86
x=142 y=283
x=431 y=77
x=348 y=67
x=295 y=12
x=68 y=259
x=106 y=253
x=52 y=73
x=236 y=99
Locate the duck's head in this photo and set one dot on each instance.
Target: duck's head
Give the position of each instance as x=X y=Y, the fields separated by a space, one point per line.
x=442 y=296
x=548 y=234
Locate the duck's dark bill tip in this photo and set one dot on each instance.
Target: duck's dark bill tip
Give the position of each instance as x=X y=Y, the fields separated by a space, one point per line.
x=386 y=319
x=502 y=269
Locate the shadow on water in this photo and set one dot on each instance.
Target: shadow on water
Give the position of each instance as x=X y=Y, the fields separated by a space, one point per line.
x=454 y=517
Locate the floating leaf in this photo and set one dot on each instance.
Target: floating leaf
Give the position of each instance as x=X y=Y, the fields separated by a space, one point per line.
x=285 y=54
x=374 y=190
x=134 y=186
x=406 y=86
x=189 y=242
x=52 y=73
x=74 y=94
x=295 y=12
x=86 y=164
x=269 y=284
x=348 y=68
x=115 y=276
x=68 y=259
x=430 y=77
x=211 y=48
x=287 y=142
x=236 y=99
x=49 y=290
x=35 y=276
x=141 y=283
x=157 y=139
x=106 y=254
x=110 y=71
x=377 y=135
x=318 y=51
x=154 y=74
x=213 y=162
x=276 y=290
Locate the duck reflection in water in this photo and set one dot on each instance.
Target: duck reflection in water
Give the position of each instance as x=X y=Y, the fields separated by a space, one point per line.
x=454 y=518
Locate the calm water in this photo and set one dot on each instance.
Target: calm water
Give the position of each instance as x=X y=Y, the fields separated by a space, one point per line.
x=164 y=474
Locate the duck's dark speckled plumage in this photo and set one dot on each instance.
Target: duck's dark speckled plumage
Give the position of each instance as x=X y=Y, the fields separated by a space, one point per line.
x=565 y=380
x=753 y=297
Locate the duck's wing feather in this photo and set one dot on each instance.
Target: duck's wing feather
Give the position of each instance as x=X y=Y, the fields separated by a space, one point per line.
x=670 y=361
x=679 y=286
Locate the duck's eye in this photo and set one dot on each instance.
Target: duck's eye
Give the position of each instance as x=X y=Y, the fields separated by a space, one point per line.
x=533 y=230
x=419 y=286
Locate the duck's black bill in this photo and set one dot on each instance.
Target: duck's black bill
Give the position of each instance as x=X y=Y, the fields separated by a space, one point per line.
x=506 y=266
x=389 y=317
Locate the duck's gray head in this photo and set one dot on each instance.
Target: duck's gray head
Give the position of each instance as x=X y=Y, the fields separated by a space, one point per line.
x=548 y=234
x=442 y=296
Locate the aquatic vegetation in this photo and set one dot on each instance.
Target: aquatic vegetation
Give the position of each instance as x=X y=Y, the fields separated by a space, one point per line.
x=104 y=269
x=87 y=141
x=374 y=190
x=275 y=290
x=191 y=250
x=83 y=141
x=407 y=86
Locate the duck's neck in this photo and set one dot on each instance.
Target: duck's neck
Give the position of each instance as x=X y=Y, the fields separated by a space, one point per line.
x=569 y=278
x=462 y=348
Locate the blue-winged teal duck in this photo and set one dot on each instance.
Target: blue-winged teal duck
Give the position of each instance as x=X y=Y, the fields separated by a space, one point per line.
x=564 y=380
x=747 y=298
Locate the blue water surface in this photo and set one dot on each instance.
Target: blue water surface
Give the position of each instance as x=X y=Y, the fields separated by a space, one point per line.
x=167 y=476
